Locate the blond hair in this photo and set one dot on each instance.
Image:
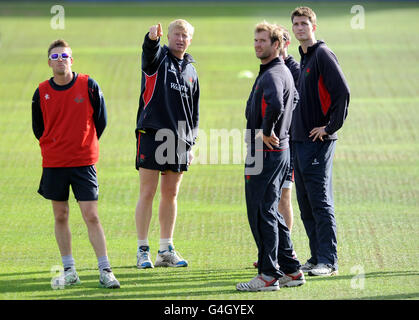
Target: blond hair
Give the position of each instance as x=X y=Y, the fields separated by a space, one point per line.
x=182 y=24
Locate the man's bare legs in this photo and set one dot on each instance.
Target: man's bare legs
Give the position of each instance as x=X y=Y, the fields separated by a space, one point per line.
x=169 y=188
x=96 y=236
x=94 y=228
x=62 y=229
x=149 y=180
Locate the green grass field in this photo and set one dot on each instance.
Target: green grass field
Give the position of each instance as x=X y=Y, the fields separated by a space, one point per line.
x=376 y=171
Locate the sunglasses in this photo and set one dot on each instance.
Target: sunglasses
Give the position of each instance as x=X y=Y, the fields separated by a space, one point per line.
x=56 y=56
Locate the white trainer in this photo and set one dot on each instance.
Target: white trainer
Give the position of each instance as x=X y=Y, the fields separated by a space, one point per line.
x=144 y=259
x=258 y=284
x=108 y=280
x=292 y=279
x=170 y=258
x=322 y=269
x=71 y=277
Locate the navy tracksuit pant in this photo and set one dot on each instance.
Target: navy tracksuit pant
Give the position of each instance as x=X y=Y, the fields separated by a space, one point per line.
x=313 y=163
x=268 y=227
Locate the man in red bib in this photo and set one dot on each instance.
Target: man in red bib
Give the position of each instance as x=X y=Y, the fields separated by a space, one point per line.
x=68 y=118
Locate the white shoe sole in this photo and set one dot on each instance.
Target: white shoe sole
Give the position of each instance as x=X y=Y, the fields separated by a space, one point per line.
x=306 y=270
x=112 y=286
x=271 y=288
x=169 y=265
x=141 y=265
x=315 y=274
x=293 y=283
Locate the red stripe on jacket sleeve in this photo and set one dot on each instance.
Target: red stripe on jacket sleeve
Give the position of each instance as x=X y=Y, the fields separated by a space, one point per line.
x=324 y=96
x=150 y=84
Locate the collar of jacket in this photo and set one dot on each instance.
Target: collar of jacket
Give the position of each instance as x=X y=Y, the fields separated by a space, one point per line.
x=311 y=49
x=186 y=57
x=64 y=87
x=275 y=61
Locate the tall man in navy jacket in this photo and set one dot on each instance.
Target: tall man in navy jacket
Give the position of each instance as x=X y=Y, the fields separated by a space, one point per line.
x=320 y=113
x=268 y=113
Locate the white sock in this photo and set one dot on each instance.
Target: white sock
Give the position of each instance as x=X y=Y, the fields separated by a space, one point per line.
x=103 y=263
x=68 y=261
x=143 y=243
x=165 y=243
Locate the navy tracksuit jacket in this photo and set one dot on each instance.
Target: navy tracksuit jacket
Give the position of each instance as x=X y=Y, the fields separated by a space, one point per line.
x=169 y=92
x=324 y=100
x=269 y=108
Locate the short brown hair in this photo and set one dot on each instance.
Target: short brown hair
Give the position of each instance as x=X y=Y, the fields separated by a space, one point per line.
x=304 y=12
x=58 y=43
x=276 y=32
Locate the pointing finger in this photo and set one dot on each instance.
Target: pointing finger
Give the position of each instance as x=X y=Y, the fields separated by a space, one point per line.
x=159 y=30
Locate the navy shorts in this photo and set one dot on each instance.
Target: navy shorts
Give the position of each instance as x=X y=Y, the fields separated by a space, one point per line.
x=160 y=155
x=55 y=183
